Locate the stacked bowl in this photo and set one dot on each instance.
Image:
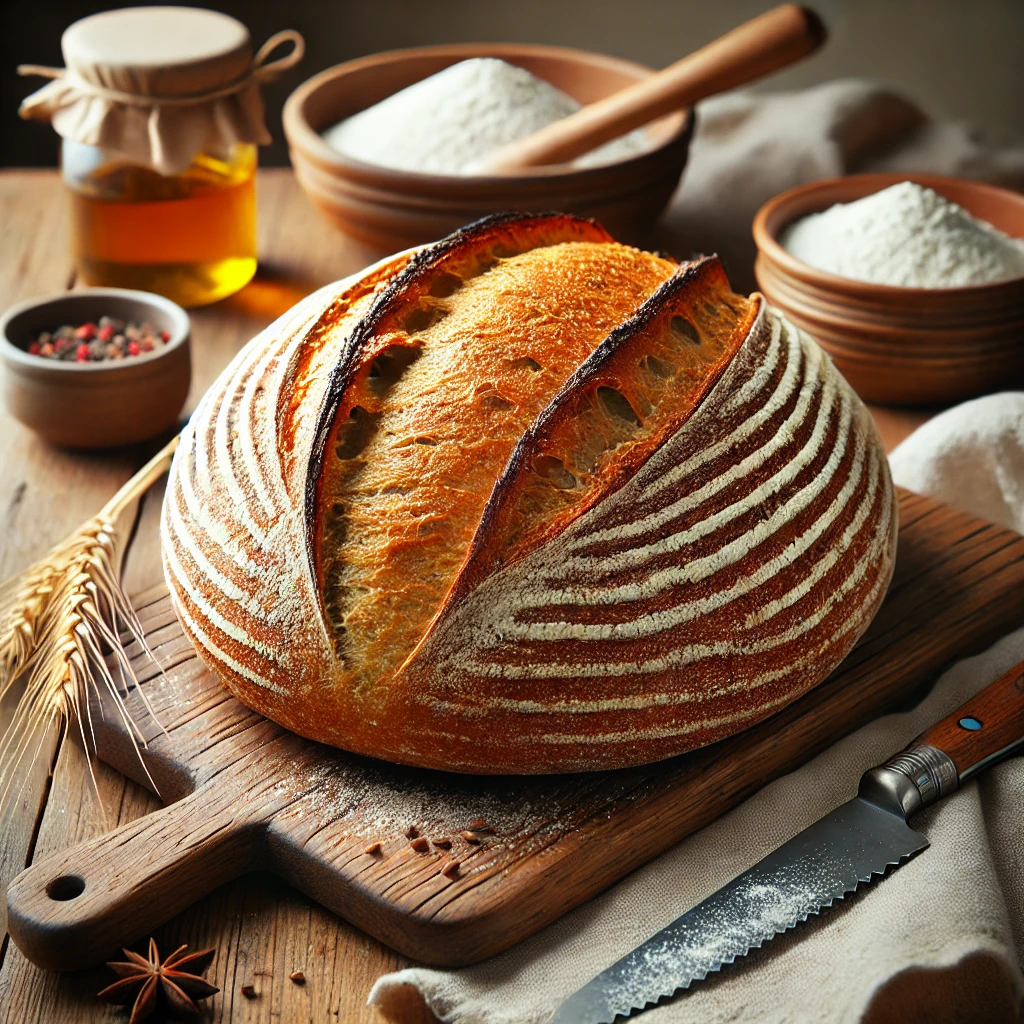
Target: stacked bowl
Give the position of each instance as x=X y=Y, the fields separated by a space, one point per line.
x=900 y=346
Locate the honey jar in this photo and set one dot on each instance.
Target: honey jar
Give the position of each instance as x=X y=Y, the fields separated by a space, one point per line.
x=160 y=114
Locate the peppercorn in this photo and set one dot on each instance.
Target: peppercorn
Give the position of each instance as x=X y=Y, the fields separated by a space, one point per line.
x=107 y=339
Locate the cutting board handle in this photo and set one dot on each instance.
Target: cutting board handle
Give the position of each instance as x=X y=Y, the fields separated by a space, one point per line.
x=81 y=905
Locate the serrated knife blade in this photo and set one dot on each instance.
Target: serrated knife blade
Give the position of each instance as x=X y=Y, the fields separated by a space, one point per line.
x=853 y=845
x=811 y=871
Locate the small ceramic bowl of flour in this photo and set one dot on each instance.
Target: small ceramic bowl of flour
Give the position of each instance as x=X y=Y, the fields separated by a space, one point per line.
x=387 y=145
x=913 y=283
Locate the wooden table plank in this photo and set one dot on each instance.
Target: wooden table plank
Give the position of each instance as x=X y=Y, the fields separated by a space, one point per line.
x=44 y=493
x=262 y=929
x=896 y=424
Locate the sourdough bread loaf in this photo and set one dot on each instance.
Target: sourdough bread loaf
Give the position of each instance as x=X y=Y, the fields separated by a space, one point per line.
x=528 y=500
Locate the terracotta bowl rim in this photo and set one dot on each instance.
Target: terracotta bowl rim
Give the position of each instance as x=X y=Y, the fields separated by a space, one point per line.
x=310 y=145
x=179 y=334
x=769 y=222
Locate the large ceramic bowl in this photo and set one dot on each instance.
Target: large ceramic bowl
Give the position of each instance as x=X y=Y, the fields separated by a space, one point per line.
x=391 y=209
x=900 y=346
x=95 y=405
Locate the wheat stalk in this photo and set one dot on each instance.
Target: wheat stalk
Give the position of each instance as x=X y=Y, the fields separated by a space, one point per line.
x=58 y=618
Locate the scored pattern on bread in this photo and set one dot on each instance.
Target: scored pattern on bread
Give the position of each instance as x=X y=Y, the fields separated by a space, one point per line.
x=236 y=566
x=733 y=572
x=442 y=383
x=528 y=501
x=616 y=410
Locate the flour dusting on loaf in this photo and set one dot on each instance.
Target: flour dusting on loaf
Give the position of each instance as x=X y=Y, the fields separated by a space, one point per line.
x=528 y=500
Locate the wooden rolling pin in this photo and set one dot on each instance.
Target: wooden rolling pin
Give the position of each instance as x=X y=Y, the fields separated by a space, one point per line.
x=765 y=44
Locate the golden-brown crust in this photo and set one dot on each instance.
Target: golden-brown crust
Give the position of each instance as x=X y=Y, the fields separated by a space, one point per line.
x=716 y=559
x=464 y=253
x=631 y=393
x=729 y=575
x=441 y=384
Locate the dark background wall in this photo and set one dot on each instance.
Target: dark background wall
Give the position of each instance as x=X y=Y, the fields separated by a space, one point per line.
x=961 y=59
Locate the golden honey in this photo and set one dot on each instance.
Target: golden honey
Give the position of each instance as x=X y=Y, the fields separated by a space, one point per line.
x=189 y=236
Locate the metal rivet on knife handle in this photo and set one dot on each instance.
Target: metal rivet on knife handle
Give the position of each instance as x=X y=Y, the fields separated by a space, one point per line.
x=999 y=711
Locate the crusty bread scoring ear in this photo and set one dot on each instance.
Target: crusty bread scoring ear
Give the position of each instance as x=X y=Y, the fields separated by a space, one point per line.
x=528 y=501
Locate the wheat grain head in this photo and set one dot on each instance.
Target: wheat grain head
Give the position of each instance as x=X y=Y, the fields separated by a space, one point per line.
x=61 y=624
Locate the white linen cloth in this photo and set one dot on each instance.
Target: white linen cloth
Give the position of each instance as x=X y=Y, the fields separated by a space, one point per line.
x=941 y=939
x=972 y=453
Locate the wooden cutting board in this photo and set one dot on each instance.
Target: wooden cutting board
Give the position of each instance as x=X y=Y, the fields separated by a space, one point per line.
x=244 y=794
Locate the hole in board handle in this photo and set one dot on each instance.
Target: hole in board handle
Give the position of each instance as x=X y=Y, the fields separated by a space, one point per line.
x=970 y=724
x=66 y=887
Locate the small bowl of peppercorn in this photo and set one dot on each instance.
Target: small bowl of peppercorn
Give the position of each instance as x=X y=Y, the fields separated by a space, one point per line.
x=97 y=368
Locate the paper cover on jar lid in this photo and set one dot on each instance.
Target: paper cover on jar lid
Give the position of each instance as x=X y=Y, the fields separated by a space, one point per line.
x=158 y=85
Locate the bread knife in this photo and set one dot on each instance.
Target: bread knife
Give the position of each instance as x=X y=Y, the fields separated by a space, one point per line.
x=858 y=842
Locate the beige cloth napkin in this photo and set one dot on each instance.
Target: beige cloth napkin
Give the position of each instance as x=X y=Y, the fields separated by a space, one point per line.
x=942 y=939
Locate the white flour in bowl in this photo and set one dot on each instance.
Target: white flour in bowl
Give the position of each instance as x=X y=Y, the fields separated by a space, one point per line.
x=463 y=114
x=908 y=236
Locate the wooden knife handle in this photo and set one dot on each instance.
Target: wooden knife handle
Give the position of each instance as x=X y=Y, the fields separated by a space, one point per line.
x=986 y=729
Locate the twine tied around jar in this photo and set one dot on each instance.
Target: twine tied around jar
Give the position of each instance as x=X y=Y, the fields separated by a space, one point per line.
x=259 y=72
x=160 y=116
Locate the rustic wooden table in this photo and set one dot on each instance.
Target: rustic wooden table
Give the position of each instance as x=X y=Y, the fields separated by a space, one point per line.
x=262 y=929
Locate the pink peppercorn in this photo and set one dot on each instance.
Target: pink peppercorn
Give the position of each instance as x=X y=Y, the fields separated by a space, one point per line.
x=97 y=341
x=165 y=336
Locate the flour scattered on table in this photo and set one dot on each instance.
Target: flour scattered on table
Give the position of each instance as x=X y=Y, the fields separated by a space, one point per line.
x=448 y=121
x=908 y=236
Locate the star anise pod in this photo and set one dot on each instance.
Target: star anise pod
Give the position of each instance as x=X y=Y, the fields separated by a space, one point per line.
x=180 y=977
